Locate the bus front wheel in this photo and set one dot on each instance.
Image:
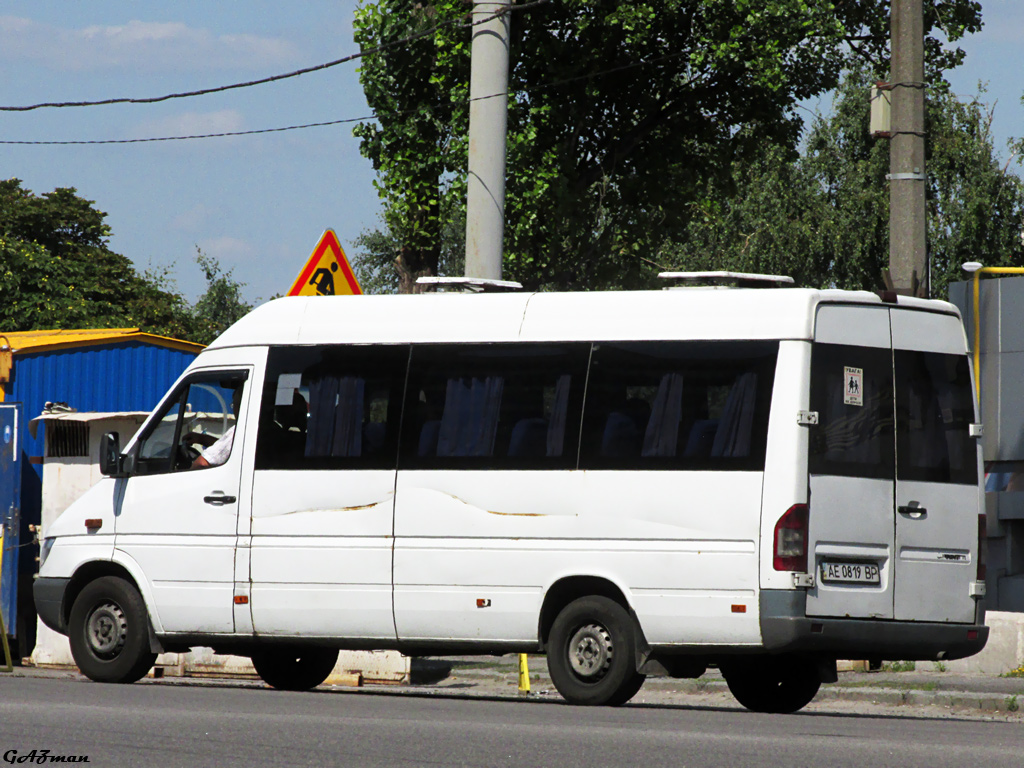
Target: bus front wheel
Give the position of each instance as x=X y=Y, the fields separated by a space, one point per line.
x=295 y=669
x=591 y=653
x=109 y=632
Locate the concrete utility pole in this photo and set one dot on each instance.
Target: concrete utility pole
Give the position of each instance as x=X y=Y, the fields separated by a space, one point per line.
x=908 y=246
x=488 y=117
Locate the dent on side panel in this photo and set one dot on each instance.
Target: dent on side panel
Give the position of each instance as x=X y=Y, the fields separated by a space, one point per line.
x=686 y=549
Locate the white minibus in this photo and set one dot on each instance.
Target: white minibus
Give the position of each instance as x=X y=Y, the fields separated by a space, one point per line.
x=632 y=483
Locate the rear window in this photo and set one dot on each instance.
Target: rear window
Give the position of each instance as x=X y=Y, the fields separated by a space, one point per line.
x=934 y=410
x=851 y=389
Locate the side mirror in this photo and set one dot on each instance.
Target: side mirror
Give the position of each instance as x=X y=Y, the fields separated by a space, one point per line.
x=111 y=460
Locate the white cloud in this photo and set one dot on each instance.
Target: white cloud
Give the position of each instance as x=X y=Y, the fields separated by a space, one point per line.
x=230 y=252
x=195 y=218
x=190 y=124
x=144 y=45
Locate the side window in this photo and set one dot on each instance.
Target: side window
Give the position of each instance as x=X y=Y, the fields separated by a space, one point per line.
x=934 y=410
x=196 y=427
x=331 y=407
x=494 y=406
x=678 y=405
x=851 y=389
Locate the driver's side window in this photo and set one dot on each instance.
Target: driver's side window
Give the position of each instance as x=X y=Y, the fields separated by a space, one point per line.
x=198 y=420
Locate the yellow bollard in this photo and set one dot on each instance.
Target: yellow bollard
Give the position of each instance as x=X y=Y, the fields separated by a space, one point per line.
x=524 y=675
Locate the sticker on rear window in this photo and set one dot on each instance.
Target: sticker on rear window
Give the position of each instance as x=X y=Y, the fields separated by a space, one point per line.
x=853 y=386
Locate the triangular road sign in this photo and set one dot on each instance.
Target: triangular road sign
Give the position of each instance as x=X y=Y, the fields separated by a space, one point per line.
x=327 y=273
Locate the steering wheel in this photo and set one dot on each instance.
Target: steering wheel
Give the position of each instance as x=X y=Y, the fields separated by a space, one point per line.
x=187 y=453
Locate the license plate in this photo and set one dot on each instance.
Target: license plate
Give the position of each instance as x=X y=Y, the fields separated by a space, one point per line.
x=852 y=573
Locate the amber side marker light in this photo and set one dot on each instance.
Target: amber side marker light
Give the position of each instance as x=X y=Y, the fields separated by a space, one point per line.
x=739 y=609
x=241 y=599
x=93 y=524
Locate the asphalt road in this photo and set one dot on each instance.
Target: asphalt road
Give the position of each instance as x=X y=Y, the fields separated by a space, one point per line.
x=165 y=725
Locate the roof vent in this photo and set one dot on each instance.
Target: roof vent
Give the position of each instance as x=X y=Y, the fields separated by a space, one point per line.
x=729 y=279
x=468 y=284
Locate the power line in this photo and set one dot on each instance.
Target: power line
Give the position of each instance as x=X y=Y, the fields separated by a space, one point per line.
x=198 y=135
x=541 y=86
x=274 y=78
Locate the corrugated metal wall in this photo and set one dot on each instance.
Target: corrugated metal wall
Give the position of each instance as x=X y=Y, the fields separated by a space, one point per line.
x=119 y=376
x=126 y=376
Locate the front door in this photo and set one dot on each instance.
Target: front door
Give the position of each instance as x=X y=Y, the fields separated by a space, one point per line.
x=178 y=516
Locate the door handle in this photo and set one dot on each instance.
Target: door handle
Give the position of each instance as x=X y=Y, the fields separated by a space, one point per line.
x=219 y=499
x=914 y=510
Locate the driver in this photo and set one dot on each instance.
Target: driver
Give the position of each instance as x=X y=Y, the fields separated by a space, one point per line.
x=218 y=453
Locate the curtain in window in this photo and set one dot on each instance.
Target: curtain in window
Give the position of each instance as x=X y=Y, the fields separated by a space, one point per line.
x=469 y=423
x=734 y=430
x=661 y=438
x=335 y=417
x=559 y=414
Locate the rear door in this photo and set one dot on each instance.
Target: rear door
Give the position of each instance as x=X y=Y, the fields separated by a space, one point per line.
x=937 y=495
x=852 y=465
x=894 y=495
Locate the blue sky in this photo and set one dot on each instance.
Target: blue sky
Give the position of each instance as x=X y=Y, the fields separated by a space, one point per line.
x=256 y=203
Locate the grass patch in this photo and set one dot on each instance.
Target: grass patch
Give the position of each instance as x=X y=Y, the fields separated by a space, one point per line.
x=899 y=666
x=1018 y=672
x=898 y=685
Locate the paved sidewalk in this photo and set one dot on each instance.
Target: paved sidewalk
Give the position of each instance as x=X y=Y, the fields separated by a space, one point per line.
x=497 y=677
x=925 y=686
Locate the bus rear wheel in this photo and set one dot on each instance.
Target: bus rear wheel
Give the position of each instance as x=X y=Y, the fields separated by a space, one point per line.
x=591 y=653
x=295 y=669
x=109 y=632
x=780 y=685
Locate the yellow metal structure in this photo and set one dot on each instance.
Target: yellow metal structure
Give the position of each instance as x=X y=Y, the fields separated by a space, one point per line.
x=35 y=341
x=977 y=315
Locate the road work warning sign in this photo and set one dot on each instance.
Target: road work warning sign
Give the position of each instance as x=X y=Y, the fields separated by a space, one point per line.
x=327 y=273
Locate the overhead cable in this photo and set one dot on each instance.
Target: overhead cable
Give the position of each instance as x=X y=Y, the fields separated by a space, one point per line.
x=274 y=78
x=378 y=116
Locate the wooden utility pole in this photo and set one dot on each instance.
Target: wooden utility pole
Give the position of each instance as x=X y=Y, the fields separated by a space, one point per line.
x=908 y=245
x=488 y=110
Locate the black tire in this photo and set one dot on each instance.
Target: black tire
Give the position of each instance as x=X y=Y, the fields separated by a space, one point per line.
x=295 y=669
x=592 y=653
x=109 y=632
x=779 y=685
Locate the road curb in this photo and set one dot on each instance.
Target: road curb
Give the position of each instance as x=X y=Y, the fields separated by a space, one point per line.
x=987 y=702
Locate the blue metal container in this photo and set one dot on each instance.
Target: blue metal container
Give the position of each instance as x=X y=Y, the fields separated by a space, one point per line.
x=90 y=370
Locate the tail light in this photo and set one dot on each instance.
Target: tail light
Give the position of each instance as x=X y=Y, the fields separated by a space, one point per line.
x=982 y=547
x=791 y=540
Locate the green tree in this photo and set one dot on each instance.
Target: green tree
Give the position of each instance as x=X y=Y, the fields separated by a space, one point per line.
x=620 y=116
x=56 y=271
x=59 y=273
x=824 y=217
x=220 y=305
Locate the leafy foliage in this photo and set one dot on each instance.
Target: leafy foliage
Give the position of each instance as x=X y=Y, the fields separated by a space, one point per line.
x=56 y=271
x=824 y=217
x=621 y=115
x=221 y=305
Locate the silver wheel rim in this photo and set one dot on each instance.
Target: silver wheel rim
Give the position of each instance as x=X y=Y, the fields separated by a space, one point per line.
x=106 y=630
x=590 y=652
